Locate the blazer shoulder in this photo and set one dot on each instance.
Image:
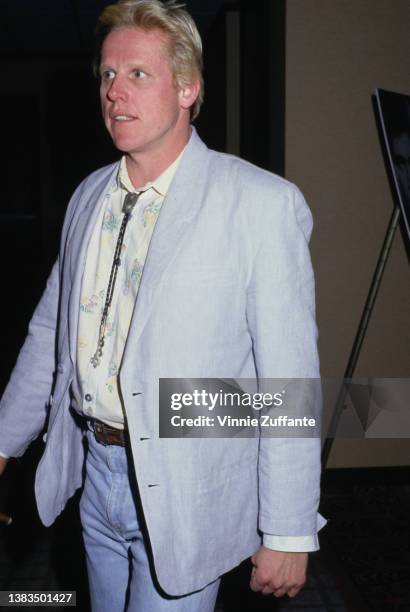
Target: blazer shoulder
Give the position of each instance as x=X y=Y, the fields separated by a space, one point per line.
x=257 y=192
x=91 y=184
x=97 y=177
x=260 y=195
x=243 y=175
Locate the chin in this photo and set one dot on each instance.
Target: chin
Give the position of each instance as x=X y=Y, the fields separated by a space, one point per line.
x=125 y=146
x=123 y=142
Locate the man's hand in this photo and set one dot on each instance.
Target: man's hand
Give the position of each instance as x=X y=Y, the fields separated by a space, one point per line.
x=3 y=463
x=278 y=572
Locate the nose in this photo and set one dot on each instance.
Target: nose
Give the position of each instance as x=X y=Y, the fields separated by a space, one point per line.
x=116 y=89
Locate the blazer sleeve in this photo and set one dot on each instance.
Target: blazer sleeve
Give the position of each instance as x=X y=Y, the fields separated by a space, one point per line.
x=23 y=407
x=281 y=320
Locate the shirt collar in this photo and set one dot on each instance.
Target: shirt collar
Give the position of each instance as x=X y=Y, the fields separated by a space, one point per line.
x=161 y=184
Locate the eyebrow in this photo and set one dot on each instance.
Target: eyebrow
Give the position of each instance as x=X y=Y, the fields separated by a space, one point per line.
x=132 y=65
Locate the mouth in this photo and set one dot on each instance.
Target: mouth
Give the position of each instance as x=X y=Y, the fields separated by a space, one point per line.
x=122 y=118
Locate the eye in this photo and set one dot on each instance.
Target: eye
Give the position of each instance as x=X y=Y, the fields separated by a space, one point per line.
x=139 y=74
x=107 y=75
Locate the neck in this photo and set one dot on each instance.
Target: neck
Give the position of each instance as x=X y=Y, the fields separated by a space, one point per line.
x=148 y=166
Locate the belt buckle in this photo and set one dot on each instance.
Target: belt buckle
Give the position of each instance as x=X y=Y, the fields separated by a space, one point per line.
x=98 y=427
x=99 y=432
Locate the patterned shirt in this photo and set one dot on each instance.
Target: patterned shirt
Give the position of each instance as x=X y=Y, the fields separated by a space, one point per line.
x=100 y=397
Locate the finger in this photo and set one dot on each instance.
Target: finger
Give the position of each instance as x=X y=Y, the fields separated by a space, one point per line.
x=293 y=591
x=267 y=590
x=254 y=587
x=287 y=589
x=279 y=592
x=255 y=584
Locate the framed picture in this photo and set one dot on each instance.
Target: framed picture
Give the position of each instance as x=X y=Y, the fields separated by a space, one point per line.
x=394 y=116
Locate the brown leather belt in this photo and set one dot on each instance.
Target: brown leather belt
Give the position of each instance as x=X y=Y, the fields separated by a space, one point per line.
x=104 y=434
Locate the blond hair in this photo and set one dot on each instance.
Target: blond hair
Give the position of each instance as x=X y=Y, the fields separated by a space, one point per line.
x=185 y=45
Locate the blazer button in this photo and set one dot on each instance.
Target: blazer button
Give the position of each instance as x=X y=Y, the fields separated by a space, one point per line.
x=88 y=397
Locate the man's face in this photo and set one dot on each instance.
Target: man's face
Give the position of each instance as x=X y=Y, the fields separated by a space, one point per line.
x=142 y=108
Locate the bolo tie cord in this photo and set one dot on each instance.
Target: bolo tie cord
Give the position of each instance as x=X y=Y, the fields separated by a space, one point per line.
x=130 y=201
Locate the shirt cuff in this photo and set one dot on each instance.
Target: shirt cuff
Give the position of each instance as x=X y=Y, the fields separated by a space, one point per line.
x=307 y=543
x=4 y=456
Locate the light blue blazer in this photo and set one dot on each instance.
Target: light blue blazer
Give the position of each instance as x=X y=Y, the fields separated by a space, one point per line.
x=227 y=291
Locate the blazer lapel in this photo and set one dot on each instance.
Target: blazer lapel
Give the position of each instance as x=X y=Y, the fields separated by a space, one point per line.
x=77 y=243
x=179 y=209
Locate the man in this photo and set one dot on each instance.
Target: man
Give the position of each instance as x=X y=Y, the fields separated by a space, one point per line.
x=175 y=262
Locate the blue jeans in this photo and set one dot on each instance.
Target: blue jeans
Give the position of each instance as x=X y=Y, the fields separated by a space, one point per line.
x=119 y=570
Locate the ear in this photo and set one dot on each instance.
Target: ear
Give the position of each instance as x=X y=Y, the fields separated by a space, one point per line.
x=188 y=94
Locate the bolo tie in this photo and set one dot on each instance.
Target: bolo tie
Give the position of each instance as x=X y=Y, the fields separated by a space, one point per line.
x=129 y=202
